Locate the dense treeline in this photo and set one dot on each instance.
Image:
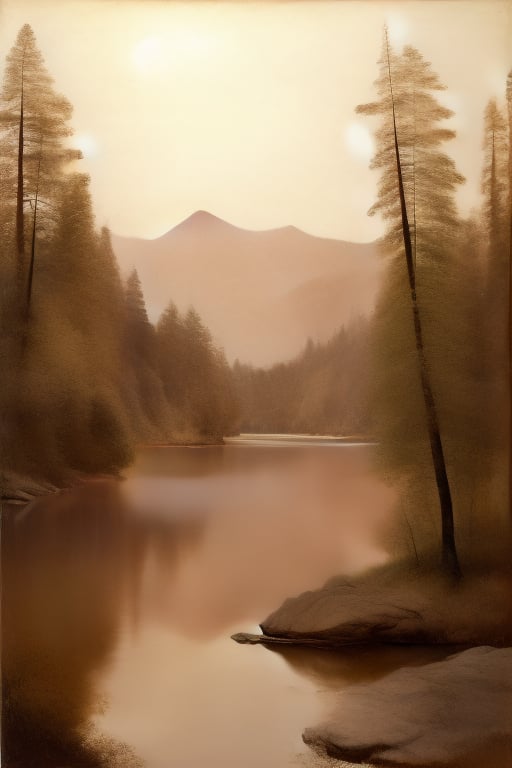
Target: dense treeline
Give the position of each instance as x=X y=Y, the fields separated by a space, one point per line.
x=85 y=375
x=322 y=391
x=439 y=366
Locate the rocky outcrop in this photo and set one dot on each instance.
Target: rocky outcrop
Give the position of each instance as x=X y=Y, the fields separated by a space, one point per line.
x=17 y=489
x=393 y=606
x=455 y=713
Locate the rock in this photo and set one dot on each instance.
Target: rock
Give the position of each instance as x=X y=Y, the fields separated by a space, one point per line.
x=390 y=606
x=246 y=638
x=17 y=489
x=455 y=713
x=22 y=495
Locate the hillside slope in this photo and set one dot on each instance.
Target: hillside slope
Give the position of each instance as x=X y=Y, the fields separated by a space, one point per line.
x=260 y=293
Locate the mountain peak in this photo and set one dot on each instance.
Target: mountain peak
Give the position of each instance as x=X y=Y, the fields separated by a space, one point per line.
x=261 y=293
x=202 y=218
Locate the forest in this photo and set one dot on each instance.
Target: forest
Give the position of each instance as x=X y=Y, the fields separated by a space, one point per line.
x=440 y=364
x=320 y=392
x=428 y=375
x=87 y=377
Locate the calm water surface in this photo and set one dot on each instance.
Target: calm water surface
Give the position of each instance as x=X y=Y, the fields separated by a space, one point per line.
x=120 y=598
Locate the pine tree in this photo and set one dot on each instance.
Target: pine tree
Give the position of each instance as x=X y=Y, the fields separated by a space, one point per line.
x=138 y=331
x=496 y=226
x=140 y=356
x=34 y=122
x=172 y=352
x=495 y=181
x=509 y=126
x=416 y=199
x=67 y=270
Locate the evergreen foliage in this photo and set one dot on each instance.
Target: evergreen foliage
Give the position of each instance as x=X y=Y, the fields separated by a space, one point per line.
x=322 y=391
x=456 y=288
x=86 y=376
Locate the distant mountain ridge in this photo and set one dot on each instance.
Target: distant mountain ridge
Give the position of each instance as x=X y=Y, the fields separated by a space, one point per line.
x=261 y=293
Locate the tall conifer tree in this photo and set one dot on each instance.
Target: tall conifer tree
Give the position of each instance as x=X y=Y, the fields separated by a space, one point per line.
x=416 y=199
x=34 y=122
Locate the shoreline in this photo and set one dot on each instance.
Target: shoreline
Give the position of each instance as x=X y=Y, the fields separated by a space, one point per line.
x=19 y=489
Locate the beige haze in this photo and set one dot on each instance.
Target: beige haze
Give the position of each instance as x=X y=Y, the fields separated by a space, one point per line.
x=246 y=110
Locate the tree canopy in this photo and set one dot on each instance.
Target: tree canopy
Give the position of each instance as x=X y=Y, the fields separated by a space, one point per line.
x=87 y=375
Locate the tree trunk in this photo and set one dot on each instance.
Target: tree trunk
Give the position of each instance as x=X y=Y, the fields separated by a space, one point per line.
x=33 y=244
x=509 y=110
x=20 y=223
x=32 y=260
x=450 y=560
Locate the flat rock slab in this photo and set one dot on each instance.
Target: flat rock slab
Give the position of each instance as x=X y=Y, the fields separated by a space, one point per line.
x=456 y=713
x=246 y=638
x=396 y=607
x=16 y=489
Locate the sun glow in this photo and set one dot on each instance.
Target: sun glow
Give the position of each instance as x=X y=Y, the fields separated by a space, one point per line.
x=87 y=144
x=157 y=54
x=359 y=140
x=398 y=29
x=148 y=55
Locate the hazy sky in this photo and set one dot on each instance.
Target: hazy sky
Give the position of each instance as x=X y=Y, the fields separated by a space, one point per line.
x=246 y=109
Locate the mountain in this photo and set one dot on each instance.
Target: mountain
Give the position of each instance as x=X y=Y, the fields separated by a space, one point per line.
x=260 y=293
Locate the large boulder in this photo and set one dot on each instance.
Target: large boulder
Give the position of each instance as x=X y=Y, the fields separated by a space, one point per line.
x=456 y=713
x=392 y=606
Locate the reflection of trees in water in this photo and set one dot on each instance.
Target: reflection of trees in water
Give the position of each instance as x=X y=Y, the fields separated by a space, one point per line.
x=335 y=669
x=215 y=460
x=70 y=567
x=158 y=546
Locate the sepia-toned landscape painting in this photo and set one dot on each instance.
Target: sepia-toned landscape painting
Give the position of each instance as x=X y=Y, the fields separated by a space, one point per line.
x=255 y=383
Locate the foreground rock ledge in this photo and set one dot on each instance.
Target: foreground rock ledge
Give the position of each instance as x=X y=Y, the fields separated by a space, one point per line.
x=246 y=638
x=20 y=490
x=456 y=713
x=391 y=605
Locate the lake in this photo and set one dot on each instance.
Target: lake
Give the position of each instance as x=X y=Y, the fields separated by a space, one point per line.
x=119 y=599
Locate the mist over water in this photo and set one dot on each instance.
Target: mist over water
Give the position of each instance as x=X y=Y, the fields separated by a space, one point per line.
x=269 y=523
x=120 y=599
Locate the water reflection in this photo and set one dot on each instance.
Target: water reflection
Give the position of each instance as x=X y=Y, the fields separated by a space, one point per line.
x=64 y=570
x=119 y=600
x=194 y=543
x=333 y=670
x=454 y=713
x=274 y=523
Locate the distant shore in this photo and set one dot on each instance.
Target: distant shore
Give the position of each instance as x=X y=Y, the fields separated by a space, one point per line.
x=16 y=488
x=298 y=439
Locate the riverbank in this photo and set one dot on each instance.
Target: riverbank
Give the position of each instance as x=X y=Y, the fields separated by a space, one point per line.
x=199 y=443
x=276 y=439
x=19 y=489
x=453 y=713
x=395 y=604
